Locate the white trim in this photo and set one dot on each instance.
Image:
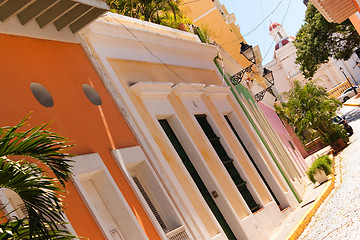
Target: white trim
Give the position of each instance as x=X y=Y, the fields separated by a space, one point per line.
x=135 y=122
x=124 y=38
x=128 y=159
x=217 y=91
x=188 y=144
x=188 y=89
x=203 y=15
x=149 y=89
x=85 y=167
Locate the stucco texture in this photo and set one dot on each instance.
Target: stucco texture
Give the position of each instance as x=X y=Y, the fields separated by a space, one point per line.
x=62 y=68
x=276 y=123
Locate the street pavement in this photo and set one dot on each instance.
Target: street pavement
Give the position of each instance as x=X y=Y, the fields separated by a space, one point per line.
x=338 y=217
x=312 y=193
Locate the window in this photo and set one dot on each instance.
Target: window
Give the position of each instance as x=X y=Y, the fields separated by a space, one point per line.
x=14 y=205
x=159 y=205
x=251 y=159
x=196 y=178
x=12 y=202
x=150 y=203
x=104 y=199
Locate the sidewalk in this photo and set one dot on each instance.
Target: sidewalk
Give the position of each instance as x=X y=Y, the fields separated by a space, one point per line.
x=314 y=195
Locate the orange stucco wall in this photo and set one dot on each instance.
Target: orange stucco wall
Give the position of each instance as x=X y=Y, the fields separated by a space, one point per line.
x=355 y=21
x=62 y=68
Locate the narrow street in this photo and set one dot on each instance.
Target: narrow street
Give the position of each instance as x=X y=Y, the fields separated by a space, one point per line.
x=338 y=217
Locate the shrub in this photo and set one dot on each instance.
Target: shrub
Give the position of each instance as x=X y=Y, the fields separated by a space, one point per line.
x=321 y=163
x=334 y=133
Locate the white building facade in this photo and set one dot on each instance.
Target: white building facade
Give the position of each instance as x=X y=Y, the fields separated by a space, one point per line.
x=286 y=71
x=187 y=121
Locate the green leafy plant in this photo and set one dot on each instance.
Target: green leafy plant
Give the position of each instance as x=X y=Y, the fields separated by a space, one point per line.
x=317 y=40
x=203 y=33
x=172 y=22
x=156 y=11
x=39 y=191
x=335 y=133
x=308 y=108
x=322 y=163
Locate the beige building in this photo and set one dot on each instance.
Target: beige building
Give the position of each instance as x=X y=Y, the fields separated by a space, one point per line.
x=213 y=16
x=197 y=143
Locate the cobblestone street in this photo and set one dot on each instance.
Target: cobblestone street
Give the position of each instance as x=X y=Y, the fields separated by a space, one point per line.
x=339 y=215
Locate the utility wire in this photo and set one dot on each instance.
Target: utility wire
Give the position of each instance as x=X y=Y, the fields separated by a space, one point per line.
x=277 y=6
x=172 y=70
x=161 y=61
x=264 y=28
x=282 y=21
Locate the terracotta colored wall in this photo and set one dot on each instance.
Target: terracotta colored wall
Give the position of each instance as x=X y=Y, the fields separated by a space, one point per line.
x=355 y=21
x=62 y=68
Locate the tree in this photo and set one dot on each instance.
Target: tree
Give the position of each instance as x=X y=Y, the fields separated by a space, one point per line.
x=155 y=11
x=318 y=39
x=309 y=108
x=37 y=188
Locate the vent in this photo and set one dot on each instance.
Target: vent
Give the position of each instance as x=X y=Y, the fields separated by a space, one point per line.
x=150 y=204
x=178 y=234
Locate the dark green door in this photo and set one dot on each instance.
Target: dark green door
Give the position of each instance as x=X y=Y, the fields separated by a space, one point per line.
x=228 y=163
x=251 y=159
x=196 y=178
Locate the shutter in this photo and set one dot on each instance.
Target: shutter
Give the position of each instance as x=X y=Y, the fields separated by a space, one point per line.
x=227 y=162
x=197 y=179
x=251 y=159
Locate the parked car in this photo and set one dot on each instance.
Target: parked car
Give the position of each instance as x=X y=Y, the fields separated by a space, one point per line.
x=342 y=121
x=348 y=93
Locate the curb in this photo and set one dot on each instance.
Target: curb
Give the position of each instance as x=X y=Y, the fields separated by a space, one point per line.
x=352 y=104
x=306 y=218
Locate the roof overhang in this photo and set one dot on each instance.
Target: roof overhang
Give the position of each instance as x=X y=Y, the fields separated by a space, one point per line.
x=335 y=10
x=74 y=14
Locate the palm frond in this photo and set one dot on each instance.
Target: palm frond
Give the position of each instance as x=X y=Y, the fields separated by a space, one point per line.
x=41 y=198
x=38 y=143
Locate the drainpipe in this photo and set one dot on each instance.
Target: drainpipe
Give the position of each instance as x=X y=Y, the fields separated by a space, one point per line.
x=263 y=141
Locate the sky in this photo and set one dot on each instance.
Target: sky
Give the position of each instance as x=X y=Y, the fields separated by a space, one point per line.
x=250 y=13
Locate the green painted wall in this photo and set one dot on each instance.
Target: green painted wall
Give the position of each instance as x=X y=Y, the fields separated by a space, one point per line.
x=243 y=91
